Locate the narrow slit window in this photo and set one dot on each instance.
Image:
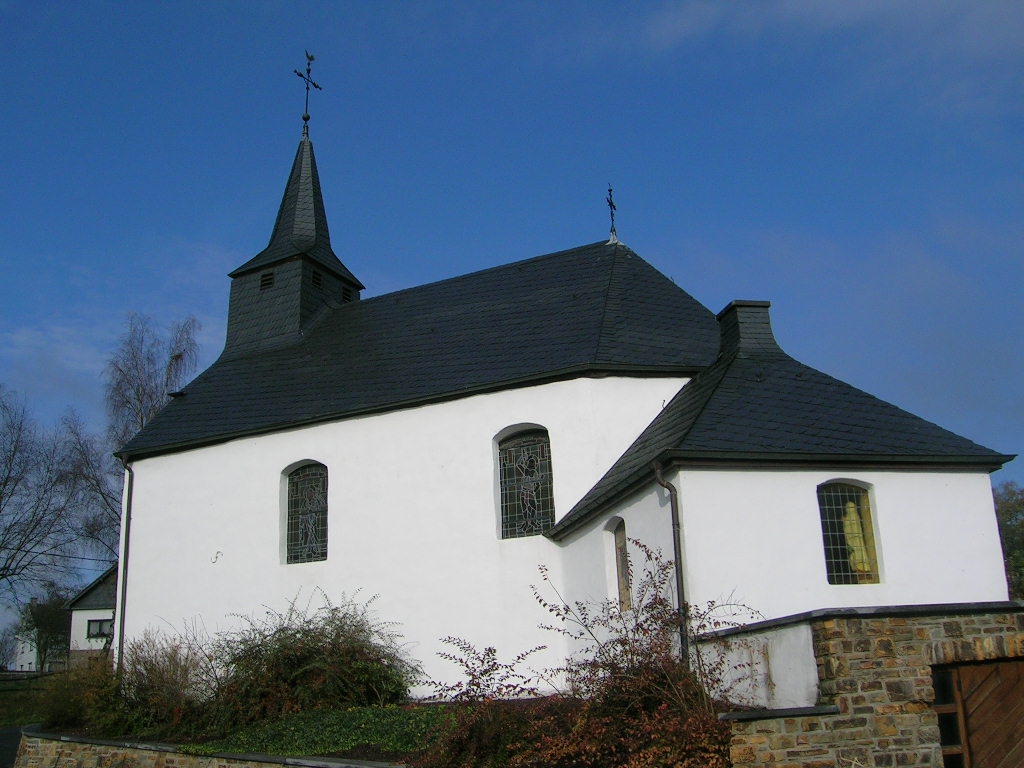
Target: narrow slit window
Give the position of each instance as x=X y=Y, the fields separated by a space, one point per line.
x=848 y=534
x=623 y=573
x=318 y=279
x=307 y=514
x=524 y=473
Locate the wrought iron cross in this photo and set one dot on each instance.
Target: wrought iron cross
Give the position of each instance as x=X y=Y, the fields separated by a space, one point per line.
x=611 y=210
x=309 y=82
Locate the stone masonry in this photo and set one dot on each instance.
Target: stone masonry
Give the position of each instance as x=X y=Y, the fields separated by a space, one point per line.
x=42 y=751
x=876 y=669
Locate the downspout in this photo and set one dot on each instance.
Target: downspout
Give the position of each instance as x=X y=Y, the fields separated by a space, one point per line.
x=123 y=579
x=677 y=548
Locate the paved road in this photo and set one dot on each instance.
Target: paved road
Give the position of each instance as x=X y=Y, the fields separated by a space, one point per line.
x=9 y=738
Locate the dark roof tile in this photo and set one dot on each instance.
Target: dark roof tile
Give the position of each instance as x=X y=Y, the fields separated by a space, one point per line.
x=597 y=308
x=758 y=403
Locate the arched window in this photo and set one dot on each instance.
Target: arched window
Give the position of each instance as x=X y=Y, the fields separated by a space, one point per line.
x=524 y=477
x=306 y=528
x=623 y=574
x=848 y=533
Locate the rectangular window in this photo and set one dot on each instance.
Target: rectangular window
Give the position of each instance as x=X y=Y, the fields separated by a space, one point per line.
x=100 y=628
x=266 y=280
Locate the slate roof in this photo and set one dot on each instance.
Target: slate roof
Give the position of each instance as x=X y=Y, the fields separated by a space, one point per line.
x=100 y=594
x=757 y=404
x=301 y=224
x=595 y=309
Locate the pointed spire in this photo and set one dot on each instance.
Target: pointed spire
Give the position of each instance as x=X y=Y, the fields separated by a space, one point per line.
x=301 y=225
x=301 y=220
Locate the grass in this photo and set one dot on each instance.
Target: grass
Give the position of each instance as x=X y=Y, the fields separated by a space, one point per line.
x=375 y=733
x=19 y=700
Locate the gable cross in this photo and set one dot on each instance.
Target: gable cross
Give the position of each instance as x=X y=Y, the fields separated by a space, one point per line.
x=611 y=210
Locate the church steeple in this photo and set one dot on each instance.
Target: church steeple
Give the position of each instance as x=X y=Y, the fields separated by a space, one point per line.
x=281 y=291
x=301 y=226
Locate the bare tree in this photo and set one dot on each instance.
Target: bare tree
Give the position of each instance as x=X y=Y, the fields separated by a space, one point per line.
x=142 y=372
x=1009 y=499
x=144 y=369
x=37 y=493
x=98 y=490
x=8 y=645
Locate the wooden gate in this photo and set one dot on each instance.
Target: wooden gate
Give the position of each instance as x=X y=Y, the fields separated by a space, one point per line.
x=981 y=714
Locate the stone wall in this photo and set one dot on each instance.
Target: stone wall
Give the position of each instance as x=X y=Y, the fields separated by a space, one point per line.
x=875 y=669
x=42 y=751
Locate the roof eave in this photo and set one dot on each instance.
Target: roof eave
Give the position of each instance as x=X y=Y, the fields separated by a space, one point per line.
x=587 y=370
x=789 y=459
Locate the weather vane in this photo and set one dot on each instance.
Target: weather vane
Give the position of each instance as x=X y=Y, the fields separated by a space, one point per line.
x=611 y=210
x=309 y=81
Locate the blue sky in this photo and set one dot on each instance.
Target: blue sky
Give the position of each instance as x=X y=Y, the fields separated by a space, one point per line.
x=858 y=164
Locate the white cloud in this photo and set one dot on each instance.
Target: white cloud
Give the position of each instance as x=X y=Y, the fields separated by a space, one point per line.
x=958 y=56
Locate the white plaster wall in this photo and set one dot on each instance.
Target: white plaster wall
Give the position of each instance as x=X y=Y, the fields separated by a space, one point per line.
x=757 y=536
x=412 y=517
x=25 y=658
x=774 y=669
x=80 y=640
x=754 y=537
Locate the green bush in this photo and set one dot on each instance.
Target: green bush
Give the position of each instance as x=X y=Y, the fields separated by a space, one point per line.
x=84 y=698
x=334 y=656
x=384 y=732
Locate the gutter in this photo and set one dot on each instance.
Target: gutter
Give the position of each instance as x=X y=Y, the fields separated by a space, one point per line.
x=677 y=549
x=125 y=549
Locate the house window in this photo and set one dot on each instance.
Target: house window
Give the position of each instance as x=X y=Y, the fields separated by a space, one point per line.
x=306 y=529
x=524 y=477
x=622 y=570
x=266 y=280
x=100 y=628
x=848 y=534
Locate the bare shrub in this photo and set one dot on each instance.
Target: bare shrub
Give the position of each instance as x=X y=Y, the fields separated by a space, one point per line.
x=485 y=677
x=168 y=682
x=628 y=699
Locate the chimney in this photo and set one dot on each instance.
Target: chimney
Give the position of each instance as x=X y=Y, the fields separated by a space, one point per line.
x=746 y=329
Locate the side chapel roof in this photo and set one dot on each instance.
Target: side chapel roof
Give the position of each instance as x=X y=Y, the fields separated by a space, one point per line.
x=591 y=310
x=758 y=405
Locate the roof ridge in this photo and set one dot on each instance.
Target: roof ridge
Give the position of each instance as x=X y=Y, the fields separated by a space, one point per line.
x=485 y=270
x=600 y=341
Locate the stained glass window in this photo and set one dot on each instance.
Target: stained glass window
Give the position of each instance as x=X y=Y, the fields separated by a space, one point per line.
x=307 y=514
x=527 y=501
x=848 y=534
